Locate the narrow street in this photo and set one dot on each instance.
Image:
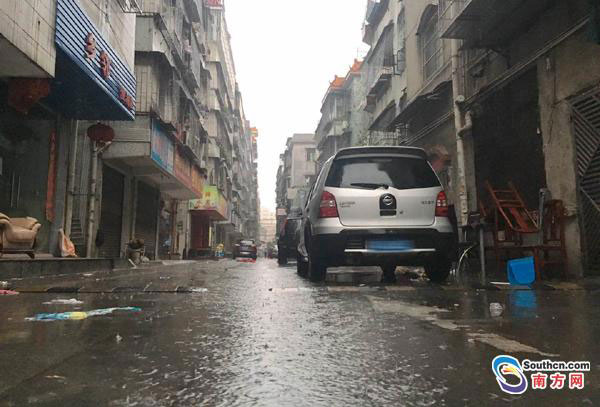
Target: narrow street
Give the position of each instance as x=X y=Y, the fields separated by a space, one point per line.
x=231 y=333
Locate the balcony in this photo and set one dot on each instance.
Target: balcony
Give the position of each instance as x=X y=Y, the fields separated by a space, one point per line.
x=381 y=82
x=172 y=18
x=193 y=63
x=376 y=10
x=150 y=150
x=489 y=23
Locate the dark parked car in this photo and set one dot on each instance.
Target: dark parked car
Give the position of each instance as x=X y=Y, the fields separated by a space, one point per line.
x=245 y=248
x=289 y=238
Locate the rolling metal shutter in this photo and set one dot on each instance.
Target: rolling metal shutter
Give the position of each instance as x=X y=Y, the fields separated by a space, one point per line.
x=586 y=125
x=146 y=217
x=111 y=215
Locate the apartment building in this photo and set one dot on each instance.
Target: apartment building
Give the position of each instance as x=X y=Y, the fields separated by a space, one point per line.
x=137 y=121
x=65 y=64
x=296 y=171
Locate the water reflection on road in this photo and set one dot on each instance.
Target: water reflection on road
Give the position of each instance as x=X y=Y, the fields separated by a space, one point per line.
x=257 y=334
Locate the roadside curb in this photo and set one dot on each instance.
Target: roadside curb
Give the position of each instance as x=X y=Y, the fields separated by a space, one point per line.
x=73 y=282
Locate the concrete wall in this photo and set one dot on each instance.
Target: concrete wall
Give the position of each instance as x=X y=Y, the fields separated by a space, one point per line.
x=359 y=118
x=561 y=76
x=568 y=69
x=29 y=26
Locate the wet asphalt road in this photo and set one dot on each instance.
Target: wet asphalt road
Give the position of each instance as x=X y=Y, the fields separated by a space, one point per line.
x=257 y=334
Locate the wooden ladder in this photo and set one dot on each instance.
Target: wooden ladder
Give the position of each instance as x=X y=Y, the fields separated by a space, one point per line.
x=509 y=203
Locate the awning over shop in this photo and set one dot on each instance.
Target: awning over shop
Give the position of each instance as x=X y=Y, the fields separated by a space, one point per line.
x=92 y=82
x=211 y=204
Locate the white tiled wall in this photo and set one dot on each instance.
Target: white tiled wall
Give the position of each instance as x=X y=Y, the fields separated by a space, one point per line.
x=29 y=25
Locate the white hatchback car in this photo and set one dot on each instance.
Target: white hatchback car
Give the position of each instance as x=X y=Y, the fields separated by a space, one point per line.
x=377 y=206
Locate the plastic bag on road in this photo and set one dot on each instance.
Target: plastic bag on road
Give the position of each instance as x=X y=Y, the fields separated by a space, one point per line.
x=74 y=316
x=496 y=309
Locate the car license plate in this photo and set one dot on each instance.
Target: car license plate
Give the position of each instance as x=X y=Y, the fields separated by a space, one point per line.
x=390 y=245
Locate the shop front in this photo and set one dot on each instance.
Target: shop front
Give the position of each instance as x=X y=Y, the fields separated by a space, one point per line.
x=204 y=212
x=164 y=177
x=39 y=116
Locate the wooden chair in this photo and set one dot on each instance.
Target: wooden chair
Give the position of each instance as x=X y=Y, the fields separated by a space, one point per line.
x=553 y=238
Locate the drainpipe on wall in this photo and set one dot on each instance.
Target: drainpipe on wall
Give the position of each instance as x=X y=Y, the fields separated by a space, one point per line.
x=91 y=215
x=463 y=201
x=71 y=177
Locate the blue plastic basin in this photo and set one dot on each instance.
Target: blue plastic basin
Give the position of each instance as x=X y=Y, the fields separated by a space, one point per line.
x=521 y=271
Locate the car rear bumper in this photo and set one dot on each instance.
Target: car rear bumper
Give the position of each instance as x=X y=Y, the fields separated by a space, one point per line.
x=350 y=247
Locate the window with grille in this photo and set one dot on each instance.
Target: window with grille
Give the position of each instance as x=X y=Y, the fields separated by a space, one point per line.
x=431 y=47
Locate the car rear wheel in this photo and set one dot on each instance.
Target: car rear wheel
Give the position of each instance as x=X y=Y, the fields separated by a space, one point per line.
x=281 y=259
x=438 y=270
x=317 y=270
x=389 y=274
x=301 y=266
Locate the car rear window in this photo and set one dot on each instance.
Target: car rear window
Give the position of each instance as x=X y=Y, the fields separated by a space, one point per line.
x=372 y=172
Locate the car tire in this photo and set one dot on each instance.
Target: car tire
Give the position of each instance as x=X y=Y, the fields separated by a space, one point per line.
x=301 y=266
x=317 y=271
x=438 y=270
x=282 y=259
x=389 y=274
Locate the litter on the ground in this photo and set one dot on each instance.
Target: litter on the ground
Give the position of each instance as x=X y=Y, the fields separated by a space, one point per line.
x=4 y=285
x=199 y=290
x=63 y=301
x=496 y=309
x=8 y=292
x=79 y=315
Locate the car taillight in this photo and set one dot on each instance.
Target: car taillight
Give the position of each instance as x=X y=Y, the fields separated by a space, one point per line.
x=328 y=207
x=441 y=205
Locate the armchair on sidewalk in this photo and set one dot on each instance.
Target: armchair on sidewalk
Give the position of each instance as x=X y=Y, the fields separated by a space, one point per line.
x=17 y=235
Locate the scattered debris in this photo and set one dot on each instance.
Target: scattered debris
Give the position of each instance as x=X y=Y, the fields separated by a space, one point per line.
x=496 y=309
x=5 y=285
x=199 y=290
x=79 y=315
x=118 y=338
x=62 y=301
x=56 y=377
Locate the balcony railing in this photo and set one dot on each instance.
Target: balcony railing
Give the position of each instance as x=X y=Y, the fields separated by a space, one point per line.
x=381 y=78
x=173 y=19
x=448 y=10
x=488 y=23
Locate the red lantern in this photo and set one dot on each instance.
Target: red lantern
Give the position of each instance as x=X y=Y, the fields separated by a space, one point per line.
x=24 y=93
x=101 y=133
